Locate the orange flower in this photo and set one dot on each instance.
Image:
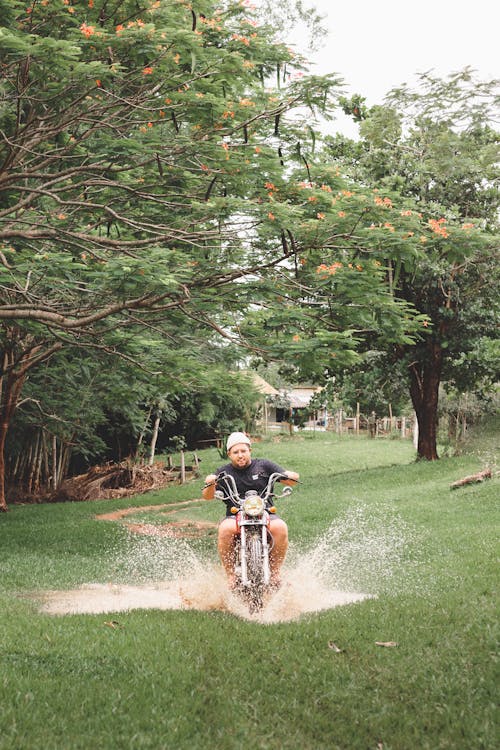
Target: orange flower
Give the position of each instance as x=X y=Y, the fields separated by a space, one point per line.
x=147 y=71
x=98 y=83
x=269 y=186
x=341 y=214
x=320 y=216
x=328 y=270
x=242 y=39
x=296 y=337
x=119 y=28
x=437 y=227
x=271 y=216
x=386 y=202
x=87 y=30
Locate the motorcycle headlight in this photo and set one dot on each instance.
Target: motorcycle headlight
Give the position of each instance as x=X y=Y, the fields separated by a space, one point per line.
x=253 y=505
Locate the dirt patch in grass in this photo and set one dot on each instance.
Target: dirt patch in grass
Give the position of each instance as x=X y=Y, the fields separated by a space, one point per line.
x=181 y=528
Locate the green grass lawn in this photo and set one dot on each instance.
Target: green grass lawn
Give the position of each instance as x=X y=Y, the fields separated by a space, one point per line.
x=368 y=517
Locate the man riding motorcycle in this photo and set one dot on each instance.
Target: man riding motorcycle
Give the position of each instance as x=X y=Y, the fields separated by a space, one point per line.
x=249 y=474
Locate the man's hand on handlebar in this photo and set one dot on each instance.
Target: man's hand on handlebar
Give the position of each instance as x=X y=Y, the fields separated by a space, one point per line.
x=208 y=491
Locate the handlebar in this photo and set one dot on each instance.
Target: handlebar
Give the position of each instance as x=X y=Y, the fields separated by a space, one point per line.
x=230 y=486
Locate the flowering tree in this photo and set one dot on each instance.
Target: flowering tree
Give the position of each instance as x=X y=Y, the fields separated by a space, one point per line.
x=135 y=141
x=437 y=150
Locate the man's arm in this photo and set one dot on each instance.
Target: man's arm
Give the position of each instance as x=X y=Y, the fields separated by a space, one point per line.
x=293 y=478
x=208 y=492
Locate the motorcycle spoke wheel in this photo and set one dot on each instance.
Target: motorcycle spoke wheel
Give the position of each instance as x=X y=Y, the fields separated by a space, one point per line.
x=255 y=573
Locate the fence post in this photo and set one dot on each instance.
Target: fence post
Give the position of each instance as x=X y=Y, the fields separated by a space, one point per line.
x=183 y=468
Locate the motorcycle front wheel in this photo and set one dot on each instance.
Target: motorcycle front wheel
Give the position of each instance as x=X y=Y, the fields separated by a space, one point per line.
x=255 y=571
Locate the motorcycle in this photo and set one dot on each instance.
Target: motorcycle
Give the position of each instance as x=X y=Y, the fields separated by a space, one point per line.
x=254 y=540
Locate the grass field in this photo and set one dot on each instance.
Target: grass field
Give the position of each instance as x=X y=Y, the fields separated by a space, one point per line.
x=366 y=518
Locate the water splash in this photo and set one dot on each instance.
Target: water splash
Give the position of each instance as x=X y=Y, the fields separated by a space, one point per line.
x=360 y=555
x=366 y=549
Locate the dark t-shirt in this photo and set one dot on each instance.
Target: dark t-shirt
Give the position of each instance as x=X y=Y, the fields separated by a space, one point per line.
x=252 y=477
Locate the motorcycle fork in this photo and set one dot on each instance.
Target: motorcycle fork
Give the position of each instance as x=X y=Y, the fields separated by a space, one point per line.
x=265 y=552
x=243 y=555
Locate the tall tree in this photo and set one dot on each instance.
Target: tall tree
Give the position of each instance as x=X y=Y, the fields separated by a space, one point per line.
x=436 y=147
x=135 y=141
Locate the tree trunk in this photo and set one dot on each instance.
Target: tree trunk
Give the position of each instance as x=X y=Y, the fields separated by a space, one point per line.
x=4 y=426
x=154 y=438
x=425 y=377
x=54 y=463
x=10 y=388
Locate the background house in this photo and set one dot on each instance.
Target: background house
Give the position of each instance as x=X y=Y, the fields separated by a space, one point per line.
x=286 y=406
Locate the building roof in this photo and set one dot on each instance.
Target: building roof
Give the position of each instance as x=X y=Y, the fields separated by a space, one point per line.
x=262 y=385
x=298 y=401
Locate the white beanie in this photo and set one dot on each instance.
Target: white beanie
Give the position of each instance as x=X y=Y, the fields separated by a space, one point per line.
x=235 y=438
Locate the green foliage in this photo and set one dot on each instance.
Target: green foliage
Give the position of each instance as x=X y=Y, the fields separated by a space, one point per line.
x=135 y=142
x=355 y=107
x=434 y=153
x=375 y=384
x=98 y=409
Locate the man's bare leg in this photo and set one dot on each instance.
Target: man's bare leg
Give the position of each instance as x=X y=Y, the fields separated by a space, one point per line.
x=279 y=530
x=225 y=546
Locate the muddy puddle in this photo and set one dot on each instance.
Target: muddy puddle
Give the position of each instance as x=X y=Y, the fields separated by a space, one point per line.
x=360 y=556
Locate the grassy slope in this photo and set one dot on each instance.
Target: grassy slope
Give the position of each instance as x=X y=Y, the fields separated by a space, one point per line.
x=208 y=680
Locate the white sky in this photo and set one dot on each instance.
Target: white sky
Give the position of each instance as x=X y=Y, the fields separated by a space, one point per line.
x=377 y=45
